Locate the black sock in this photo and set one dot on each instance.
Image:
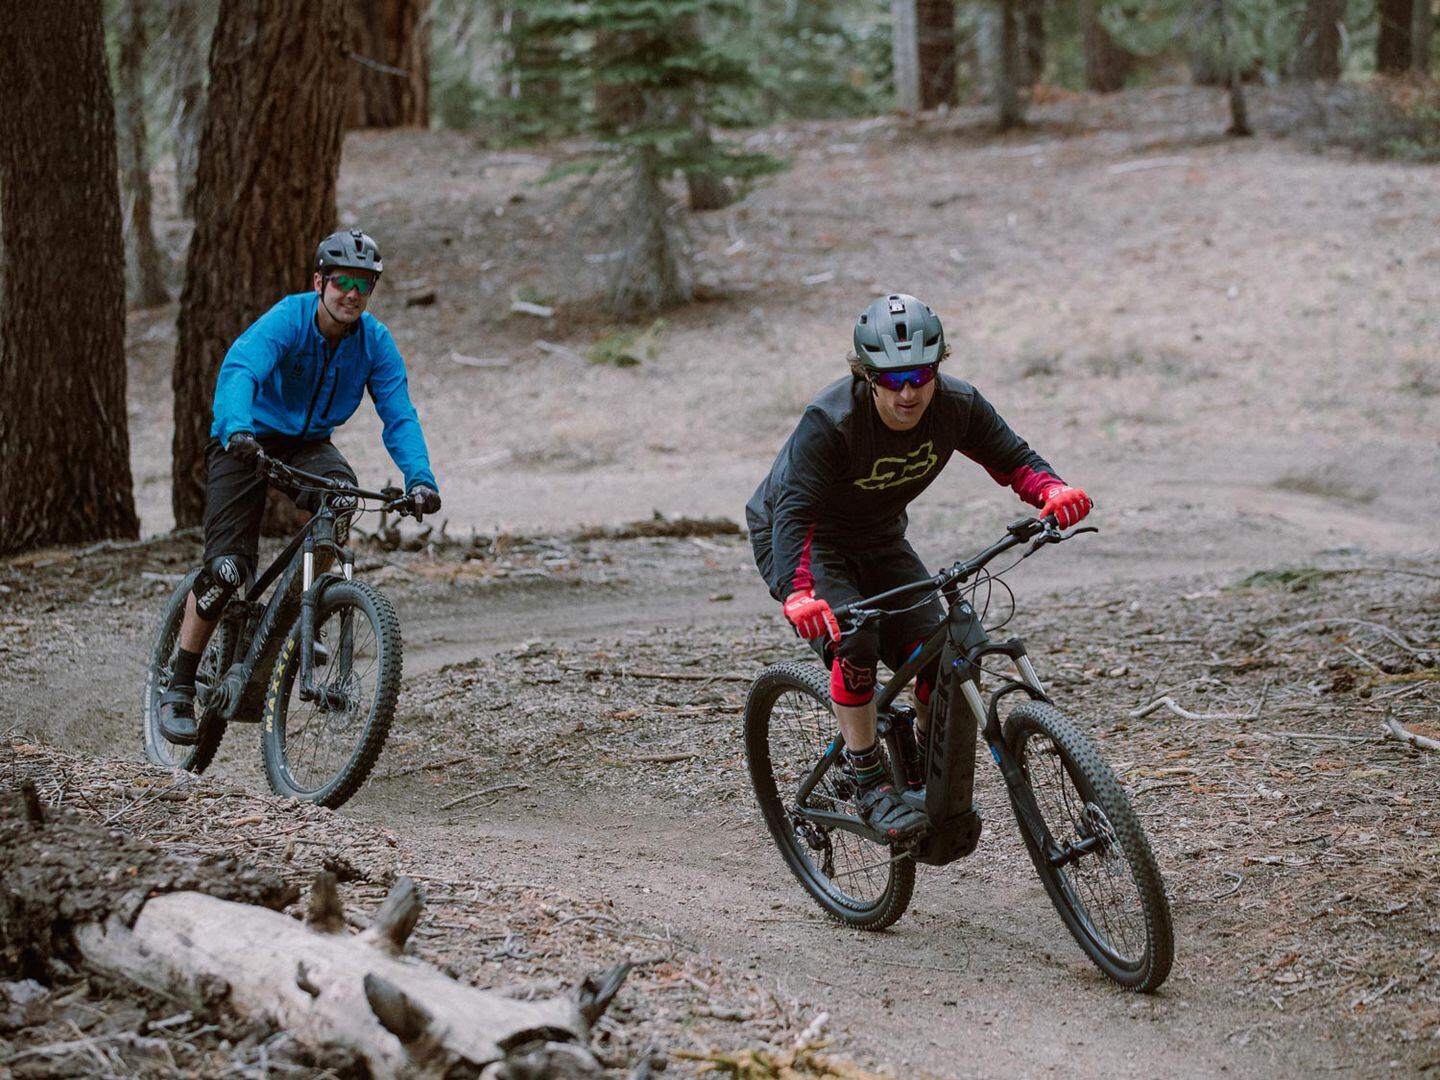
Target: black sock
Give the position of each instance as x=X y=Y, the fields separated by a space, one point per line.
x=868 y=766
x=182 y=673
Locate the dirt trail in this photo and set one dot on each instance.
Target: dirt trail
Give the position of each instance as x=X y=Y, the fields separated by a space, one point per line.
x=509 y=682
x=979 y=979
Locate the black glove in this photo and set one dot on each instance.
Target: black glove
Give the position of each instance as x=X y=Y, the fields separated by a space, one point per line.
x=425 y=499
x=243 y=448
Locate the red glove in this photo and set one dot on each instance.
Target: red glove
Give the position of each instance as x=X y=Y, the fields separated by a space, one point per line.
x=811 y=617
x=1068 y=504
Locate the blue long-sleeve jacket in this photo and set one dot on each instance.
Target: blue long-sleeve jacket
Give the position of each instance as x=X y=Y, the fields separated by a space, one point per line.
x=281 y=377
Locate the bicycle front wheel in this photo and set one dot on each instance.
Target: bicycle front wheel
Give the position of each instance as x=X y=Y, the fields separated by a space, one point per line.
x=321 y=750
x=788 y=730
x=1099 y=871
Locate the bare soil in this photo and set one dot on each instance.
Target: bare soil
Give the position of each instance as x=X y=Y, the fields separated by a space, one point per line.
x=1230 y=344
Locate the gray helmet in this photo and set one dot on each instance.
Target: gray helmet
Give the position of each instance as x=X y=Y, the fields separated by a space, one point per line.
x=898 y=331
x=350 y=249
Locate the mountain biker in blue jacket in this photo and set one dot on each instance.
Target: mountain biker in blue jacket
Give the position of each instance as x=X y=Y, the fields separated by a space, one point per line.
x=284 y=386
x=827 y=524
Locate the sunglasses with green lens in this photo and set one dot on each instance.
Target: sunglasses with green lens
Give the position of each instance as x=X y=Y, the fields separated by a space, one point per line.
x=344 y=282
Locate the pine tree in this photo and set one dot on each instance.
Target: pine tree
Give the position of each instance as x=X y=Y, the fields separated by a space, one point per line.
x=641 y=77
x=1229 y=33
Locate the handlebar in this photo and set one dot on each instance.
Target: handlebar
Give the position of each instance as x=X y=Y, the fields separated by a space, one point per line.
x=394 y=499
x=1043 y=531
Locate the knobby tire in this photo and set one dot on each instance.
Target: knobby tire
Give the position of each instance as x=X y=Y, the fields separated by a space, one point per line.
x=788 y=726
x=292 y=727
x=1112 y=899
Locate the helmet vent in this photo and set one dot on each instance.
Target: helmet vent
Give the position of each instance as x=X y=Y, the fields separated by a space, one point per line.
x=902 y=332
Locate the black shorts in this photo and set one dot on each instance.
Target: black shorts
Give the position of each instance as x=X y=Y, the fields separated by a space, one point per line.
x=844 y=577
x=235 y=496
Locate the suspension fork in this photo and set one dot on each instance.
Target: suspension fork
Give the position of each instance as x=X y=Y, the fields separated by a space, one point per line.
x=1021 y=795
x=308 y=690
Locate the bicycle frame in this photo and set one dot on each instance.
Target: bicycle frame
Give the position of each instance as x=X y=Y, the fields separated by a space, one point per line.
x=957 y=712
x=260 y=629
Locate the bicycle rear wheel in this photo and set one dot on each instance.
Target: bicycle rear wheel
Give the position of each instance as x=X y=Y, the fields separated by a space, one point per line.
x=1101 y=874
x=321 y=751
x=788 y=729
x=213 y=662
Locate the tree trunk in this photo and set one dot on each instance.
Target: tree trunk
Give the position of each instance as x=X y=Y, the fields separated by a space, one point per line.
x=1392 y=45
x=64 y=439
x=390 y=64
x=651 y=274
x=935 y=31
x=1033 y=36
x=403 y=1018
x=211 y=934
x=269 y=156
x=706 y=191
x=1007 y=82
x=618 y=106
x=1317 y=53
x=187 y=88
x=1107 y=63
x=1422 y=26
x=905 y=54
x=1239 y=114
x=145 y=269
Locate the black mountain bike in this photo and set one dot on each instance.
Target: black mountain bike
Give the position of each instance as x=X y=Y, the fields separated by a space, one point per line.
x=1085 y=840
x=318 y=664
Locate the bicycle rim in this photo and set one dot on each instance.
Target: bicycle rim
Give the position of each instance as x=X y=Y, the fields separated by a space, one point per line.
x=1106 y=886
x=789 y=728
x=322 y=750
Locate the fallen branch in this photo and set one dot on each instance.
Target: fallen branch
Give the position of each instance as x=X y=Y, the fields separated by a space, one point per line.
x=1397 y=730
x=1168 y=702
x=128 y=910
x=551 y=349
x=517 y=785
x=398 y=1015
x=685 y=676
x=1383 y=630
x=1427 y=675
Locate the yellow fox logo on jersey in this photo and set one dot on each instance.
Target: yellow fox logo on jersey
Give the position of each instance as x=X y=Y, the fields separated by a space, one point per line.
x=888 y=472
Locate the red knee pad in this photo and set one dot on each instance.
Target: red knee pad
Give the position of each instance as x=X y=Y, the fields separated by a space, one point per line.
x=850 y=684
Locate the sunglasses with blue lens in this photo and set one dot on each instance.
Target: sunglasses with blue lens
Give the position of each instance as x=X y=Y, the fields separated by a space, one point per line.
x=898 y=380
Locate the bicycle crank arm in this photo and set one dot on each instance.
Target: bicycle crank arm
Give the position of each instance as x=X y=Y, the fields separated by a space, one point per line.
x=830 y=819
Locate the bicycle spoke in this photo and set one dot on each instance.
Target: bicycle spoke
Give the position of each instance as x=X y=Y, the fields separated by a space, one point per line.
x=1097 y=881
x=801 y=731
x=320 y=736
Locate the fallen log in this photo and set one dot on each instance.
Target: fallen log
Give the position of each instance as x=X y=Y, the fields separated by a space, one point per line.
x=72 y=890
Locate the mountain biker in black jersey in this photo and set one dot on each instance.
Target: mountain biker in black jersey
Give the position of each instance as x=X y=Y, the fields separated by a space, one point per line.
x=286 y=383
x=828 y=523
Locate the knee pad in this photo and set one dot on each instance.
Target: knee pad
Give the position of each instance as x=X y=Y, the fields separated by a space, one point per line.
x=851 y=684
x=342 y=505
x=215 y=584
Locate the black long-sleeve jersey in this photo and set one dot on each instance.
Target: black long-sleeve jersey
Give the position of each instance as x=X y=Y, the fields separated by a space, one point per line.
x=844 y=479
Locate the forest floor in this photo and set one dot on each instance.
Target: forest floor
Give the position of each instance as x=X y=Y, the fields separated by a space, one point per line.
x=1229 y=343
